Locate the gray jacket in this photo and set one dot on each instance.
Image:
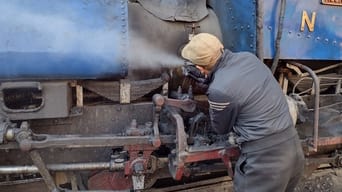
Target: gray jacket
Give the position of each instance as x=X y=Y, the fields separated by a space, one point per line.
x=244 y=96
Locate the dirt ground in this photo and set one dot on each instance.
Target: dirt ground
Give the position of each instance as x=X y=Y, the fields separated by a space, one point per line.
x=321 y=181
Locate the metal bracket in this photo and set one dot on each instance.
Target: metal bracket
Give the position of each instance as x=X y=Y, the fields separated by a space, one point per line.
x=125 y=91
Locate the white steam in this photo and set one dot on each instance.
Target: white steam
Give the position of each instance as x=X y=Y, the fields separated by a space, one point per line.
x=147 y=55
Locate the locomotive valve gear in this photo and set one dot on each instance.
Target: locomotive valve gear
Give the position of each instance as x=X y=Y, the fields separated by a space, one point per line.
x=245 y=98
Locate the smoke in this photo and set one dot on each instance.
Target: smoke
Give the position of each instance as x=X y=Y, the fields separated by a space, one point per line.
x=145 y=54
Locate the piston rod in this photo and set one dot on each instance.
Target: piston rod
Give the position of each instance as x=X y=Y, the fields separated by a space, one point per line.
x=63 y=167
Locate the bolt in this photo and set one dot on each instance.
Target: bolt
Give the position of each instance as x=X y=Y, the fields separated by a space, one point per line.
x=119 y=160
x=10 y=134
x=148 y=124
x=25 y=145
x=158 y=100
x=115 y=156
x=134 y=123
x=138 y=167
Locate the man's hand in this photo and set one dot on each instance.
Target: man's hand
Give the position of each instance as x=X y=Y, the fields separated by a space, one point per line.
x=190 y=70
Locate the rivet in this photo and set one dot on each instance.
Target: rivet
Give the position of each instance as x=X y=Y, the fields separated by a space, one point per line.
x=298 y=34
x=334 y=42
x=309 y=36
x=251 y=45
x=326 y=40
x=318 y=38
x=269 y=27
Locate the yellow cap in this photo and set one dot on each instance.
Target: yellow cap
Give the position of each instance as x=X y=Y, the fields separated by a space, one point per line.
x=203 y=49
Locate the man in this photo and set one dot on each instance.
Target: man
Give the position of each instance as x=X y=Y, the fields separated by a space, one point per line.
x=245 y=98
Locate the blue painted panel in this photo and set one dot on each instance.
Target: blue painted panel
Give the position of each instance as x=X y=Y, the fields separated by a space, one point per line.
x=324 y=43
x=238 y=23
x=43 y=39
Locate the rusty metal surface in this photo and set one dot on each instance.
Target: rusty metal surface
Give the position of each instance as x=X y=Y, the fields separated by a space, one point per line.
x=187 y=105
x=327 y=141
x=106 y=180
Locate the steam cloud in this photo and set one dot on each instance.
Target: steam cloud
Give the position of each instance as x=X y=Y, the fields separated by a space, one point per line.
x=146 y=55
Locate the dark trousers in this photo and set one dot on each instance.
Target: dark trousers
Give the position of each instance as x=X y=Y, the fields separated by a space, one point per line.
x=274 y=164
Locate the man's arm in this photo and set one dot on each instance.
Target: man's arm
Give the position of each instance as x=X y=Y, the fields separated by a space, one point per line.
x=223 y=112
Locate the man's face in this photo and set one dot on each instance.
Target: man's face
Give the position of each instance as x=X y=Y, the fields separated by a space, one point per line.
x=203 y=70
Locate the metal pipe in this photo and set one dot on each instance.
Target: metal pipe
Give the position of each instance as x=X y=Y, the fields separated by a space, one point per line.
x=279 y=34
x=62 y=167
x=316 y=108
x=260 y=30
x=44 y=172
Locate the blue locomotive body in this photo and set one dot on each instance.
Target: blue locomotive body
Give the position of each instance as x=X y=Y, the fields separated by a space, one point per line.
x=89 y=39
x=63 y=39
x=95 y=96
x=311 y=30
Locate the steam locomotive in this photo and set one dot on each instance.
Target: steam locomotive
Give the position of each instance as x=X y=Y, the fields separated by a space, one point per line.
x=94 y=94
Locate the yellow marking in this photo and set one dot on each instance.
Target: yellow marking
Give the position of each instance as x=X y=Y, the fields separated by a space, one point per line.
x=309 y=22
x=332 y=2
